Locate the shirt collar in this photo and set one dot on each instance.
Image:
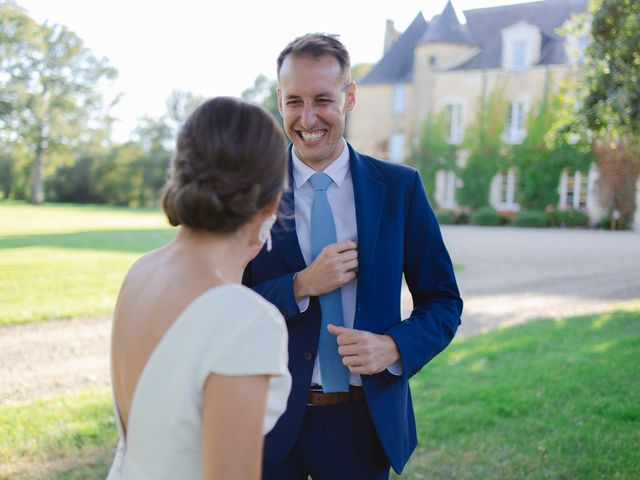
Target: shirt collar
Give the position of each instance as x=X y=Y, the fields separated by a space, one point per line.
x=337 y=169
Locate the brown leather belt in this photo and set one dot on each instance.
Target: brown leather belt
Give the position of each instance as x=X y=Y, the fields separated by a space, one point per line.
x=317 y=398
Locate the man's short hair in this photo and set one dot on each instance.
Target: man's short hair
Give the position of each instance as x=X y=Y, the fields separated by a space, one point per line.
x=317 y=45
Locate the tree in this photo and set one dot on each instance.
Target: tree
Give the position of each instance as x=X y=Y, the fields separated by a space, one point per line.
x=611 y=105
x=263 y=92
x=50 y=80
x=180 y=105
x=604 y=111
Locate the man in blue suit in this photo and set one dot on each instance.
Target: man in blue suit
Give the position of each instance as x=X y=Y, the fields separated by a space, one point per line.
x=351 y=227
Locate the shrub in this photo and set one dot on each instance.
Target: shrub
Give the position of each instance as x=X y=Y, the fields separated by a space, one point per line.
x=531 y=219
x=486 y=216
x=568 y=218
x=446 y=217
x=462 y=217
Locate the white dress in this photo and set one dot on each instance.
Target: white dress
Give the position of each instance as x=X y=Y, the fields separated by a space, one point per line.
x=228 y=330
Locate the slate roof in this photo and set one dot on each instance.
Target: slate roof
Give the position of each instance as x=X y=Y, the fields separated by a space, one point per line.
x=397 y=64
x=483 y=28
x=485 y=25
x=445 y=28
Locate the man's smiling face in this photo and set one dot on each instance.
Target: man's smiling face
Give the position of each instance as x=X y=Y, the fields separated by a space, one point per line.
x=313 y=98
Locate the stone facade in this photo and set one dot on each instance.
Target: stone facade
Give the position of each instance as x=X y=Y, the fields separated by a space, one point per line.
x=443 y=64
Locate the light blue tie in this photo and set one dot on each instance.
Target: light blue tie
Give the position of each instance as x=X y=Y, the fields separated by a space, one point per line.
x=335 y=376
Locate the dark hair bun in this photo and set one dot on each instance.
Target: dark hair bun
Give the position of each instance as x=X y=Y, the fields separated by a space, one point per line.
x=230 y=161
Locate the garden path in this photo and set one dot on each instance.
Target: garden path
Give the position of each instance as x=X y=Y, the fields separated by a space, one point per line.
x=506 y=275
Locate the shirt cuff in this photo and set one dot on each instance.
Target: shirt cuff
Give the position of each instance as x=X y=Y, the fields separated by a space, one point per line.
x=303 y=304
x=395 y=368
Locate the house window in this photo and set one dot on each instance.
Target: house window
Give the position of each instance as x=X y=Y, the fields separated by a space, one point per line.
x=507 y=187
x=399 y=100
x=575 y=192
x=446 y=188
x=519 y=60
x=454 y=122
x=396 y=147
x=515 y=122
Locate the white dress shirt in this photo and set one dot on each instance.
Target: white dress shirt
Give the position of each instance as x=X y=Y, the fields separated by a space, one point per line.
x=343 y=207
x=341 y=200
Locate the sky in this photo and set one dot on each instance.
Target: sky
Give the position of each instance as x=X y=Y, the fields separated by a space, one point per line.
x=217 y=47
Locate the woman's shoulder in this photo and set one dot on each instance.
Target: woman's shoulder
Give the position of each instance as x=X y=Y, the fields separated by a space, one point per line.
x=242 y=303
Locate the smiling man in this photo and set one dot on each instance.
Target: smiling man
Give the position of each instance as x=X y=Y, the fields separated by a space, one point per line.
x=352 y=227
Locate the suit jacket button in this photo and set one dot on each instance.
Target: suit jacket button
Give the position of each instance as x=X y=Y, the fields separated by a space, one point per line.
x=308 y=355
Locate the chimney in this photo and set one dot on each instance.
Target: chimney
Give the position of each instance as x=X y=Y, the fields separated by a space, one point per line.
x=390 y=36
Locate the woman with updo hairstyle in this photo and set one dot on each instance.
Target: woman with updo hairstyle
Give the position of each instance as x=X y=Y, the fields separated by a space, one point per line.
x=198 y=361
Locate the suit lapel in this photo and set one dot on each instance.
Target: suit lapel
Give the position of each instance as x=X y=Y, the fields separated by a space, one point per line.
x=284 y=232
x=369 y=193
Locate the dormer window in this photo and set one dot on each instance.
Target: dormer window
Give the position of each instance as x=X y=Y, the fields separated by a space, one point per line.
x=519 y=60
x=520 y=46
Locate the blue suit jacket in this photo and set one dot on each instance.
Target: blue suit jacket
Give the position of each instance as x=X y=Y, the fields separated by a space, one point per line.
x=397 y=233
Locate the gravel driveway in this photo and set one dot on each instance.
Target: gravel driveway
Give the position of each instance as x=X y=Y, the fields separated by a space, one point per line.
x=507 y=276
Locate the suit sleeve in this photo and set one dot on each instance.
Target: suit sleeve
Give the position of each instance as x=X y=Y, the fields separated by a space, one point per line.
x=278 y=291
x=428 y=271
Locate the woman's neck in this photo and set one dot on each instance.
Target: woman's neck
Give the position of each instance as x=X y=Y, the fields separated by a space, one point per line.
x=222 y=254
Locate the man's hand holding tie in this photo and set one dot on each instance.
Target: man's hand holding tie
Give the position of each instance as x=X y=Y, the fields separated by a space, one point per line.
x=333 y=267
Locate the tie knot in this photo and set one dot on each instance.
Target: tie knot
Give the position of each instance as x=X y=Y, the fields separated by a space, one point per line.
x=320 y=181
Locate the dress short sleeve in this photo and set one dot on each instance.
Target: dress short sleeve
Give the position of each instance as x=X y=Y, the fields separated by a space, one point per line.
x=250 y=339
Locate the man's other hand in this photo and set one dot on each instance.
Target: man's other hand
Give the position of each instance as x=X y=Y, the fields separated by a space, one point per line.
x=363 y=352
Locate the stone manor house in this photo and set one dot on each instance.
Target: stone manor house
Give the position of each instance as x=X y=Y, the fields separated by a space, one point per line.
x=445 y=65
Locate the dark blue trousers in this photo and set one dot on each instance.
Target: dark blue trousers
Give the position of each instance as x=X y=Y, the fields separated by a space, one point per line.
x=336 y=442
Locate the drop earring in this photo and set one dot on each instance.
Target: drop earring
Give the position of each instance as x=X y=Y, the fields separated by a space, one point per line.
x=264 y=235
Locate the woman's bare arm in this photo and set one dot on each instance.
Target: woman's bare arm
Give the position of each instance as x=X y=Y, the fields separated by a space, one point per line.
x=233 y=413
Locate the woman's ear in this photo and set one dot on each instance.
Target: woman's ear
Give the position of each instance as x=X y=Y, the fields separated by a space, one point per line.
x=272 y=205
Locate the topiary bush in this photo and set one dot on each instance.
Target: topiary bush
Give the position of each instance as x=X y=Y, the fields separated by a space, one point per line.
x=485 y=216
x=530 y=219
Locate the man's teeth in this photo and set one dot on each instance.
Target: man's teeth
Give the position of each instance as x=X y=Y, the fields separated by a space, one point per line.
x=311 y=137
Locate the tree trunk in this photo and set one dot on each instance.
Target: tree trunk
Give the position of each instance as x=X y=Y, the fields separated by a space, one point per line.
x=619 y=166
x=37 y=195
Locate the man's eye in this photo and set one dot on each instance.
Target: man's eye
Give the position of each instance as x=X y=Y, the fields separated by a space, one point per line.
x=323 y=101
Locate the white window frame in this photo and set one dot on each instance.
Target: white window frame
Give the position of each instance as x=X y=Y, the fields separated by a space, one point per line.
x=507 y=189
x=446 y=185
x=519 y=54
x=396 y=147
x=517 y=112
x=574 y=190
x=455 y=119
x=399 y=99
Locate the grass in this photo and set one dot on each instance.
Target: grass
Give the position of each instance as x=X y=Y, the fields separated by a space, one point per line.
x=554 y=399
x=64 y=261
x=45 y=434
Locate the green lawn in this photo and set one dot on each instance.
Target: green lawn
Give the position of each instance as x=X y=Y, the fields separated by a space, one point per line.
x=45 y=434
x=64 y=261
x=555 y=399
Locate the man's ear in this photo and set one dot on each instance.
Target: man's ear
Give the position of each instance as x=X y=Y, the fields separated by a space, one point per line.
x=350 y=96
x=279 y=94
